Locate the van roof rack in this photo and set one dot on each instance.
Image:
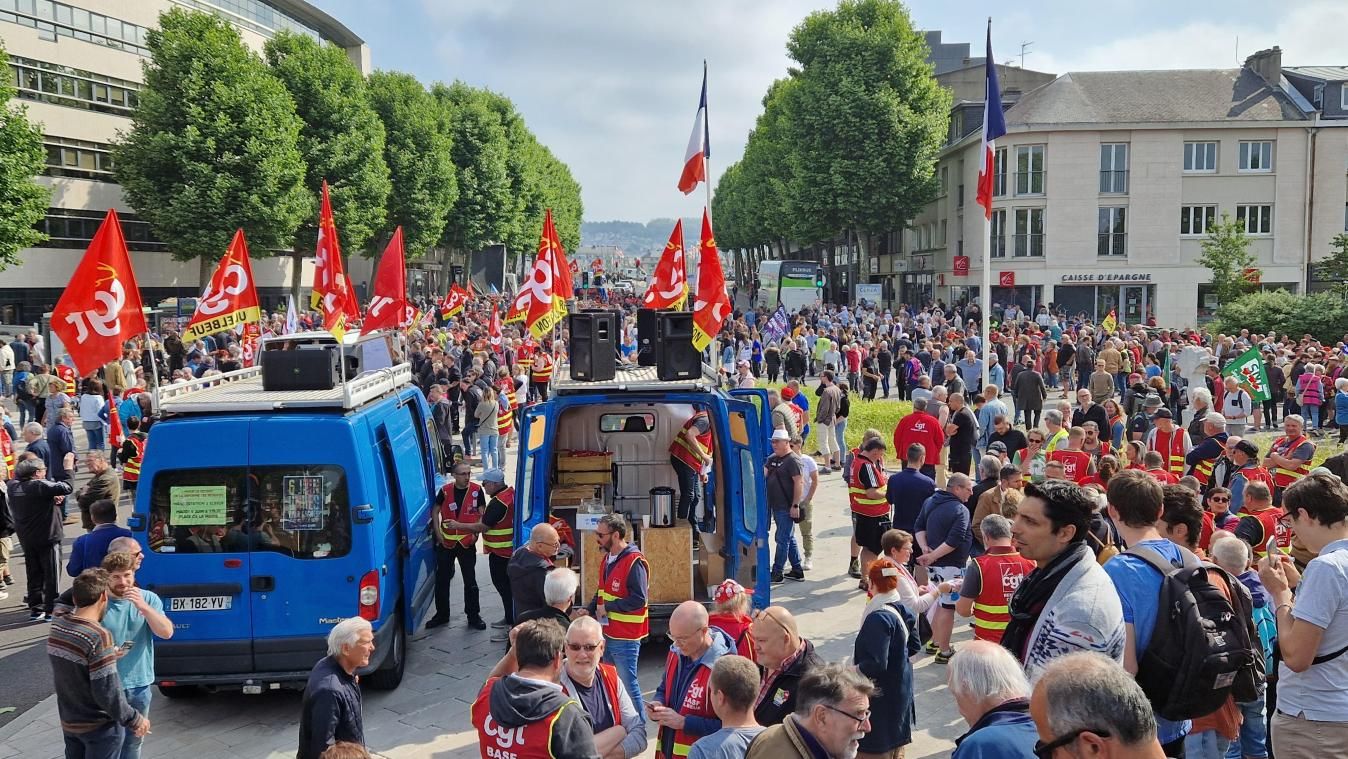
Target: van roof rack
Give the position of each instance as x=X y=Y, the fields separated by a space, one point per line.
x=633 y=379
x=241 y=390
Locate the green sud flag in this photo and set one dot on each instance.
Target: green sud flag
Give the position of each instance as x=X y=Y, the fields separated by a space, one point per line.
x=1249 y=371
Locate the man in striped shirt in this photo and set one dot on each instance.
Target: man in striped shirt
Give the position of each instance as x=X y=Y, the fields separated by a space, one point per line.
x=94 y=713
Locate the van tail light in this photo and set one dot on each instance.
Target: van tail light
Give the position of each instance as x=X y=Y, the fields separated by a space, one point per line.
x=369 y=595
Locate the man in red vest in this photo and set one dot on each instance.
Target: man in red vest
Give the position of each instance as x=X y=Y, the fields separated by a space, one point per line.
x=620 y=600
x=526 y=715
x=618 y=723
x=1289 y=458
x=496 y=524
x=991 y=579
x=458 y=509
x=682 y=709
x=690 y=456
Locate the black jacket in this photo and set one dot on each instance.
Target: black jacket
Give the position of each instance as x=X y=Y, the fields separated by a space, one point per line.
x=331 y=710
x=527 y=571
x=780 y=698
x=37 y=516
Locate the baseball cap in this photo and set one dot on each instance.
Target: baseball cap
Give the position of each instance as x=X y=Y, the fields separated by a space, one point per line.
x=1163 y=413
x=997 y=445
x=493 y=475
x=727 y=591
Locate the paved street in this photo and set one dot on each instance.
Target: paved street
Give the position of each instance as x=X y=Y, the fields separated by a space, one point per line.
x=428 y=715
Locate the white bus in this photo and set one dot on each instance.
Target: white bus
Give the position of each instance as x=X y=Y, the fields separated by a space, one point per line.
x=793 y=284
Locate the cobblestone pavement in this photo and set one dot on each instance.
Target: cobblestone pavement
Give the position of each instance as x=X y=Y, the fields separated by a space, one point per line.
x=427 y=716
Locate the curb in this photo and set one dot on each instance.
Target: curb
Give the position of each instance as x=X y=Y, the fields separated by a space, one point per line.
x=42 y=709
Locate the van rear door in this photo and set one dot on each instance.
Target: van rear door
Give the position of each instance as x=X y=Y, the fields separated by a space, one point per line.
x=758 y=397
x=189 y=512
x=751 y=561
x=531 y=470
x=407 y=455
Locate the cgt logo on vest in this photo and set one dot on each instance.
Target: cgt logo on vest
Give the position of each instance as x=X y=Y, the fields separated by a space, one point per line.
x=693 y=700
x=1011 y=581
x=506 y=739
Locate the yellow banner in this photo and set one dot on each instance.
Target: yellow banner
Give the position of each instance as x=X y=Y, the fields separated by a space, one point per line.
x=222 y=323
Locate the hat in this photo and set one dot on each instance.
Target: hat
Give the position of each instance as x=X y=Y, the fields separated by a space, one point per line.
x=788 y=393
x=1163 y=413
x=1248 y=448
x=727 y=591
x=996 y=445
x=494 y=475
x=1152 y=401
x=781 y=435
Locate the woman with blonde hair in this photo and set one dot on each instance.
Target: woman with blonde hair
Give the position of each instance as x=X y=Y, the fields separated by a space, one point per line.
x=730 y=612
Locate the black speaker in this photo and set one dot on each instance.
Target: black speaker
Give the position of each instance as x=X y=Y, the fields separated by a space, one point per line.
x=313 y=369
x=594 y=345
x=646 y=348
x=676 y=358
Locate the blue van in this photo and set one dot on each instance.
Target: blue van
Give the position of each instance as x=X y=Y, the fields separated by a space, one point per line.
x=632 y=421
x=267 y=516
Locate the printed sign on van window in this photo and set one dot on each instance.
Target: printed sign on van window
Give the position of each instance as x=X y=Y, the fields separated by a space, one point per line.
x=198 y=504
x=303 y=503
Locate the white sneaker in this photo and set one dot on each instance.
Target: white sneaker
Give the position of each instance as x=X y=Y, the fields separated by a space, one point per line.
x=3 y=595
x=807 y=565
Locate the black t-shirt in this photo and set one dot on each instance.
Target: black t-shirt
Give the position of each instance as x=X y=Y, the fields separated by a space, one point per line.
x=780 y=479
x=867 y=478
x=963 y=439
x=1013 y=439
x=595 y=702
x=496 y=511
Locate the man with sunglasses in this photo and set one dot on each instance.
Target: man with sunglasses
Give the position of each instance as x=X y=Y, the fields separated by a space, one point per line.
x=620 y=599
x=458 y=510
x=619 y=728
x=1087 y=705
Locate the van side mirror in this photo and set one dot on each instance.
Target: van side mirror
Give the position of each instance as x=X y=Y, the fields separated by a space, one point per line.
x=363 y=514
x=135 y=522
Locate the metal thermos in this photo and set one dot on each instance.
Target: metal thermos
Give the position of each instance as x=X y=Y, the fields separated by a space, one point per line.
x=662 y=506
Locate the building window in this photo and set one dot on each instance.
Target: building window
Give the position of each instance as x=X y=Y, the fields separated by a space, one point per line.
x=999 y=173
x=1195 y=220
x=75 y=88
x=940 y=240
x=74 y=228
x=1030 y=170
x=1200 y=157
x=944 y=180
x=256 y=15
x=1113 y=232
x=1114 y=167
x=1256 y=156
x=77 y=158
x=1029 y=232
x=1258 y=219
x=998 y=234
x=52 y=20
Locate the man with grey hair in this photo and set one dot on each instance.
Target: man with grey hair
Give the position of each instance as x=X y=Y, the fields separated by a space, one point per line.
x=1056 y=435
x=559 y=590
x=331 y=710
x=833 y=714
x=991 y=579
x=37 y=523
x=619 y=728
x=993 y=696
x=1090 y=705
x=942 y=531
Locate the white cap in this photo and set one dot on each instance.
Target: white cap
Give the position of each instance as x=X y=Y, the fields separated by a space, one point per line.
x=781 y=435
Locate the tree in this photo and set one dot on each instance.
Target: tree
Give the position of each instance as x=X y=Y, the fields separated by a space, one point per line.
x=341 y=140
x=865 y=118
x=418 y=152
x=23 y=202
x=214 y=144
x=484 y=211
x=1324 y=315
x=1335 y=268
x=1226 y=252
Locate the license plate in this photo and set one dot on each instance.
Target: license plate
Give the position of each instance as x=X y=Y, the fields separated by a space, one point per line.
x=201 y=603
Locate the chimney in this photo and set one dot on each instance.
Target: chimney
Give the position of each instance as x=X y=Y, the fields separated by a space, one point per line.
x=1267 y=64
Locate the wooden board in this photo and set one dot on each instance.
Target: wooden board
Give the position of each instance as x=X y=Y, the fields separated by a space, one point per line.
x=669 y=551
x=563 y=496
x=567 y=463
x=584 y=478
x=589 y=558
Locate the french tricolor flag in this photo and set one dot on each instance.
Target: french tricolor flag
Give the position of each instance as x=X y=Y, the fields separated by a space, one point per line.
x=994 y=126
x=699 y=145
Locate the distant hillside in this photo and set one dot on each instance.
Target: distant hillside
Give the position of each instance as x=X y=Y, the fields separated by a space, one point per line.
x=635 y=238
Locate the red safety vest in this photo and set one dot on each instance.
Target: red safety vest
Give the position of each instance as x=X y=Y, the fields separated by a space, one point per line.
x=1002 y=568
x=1254 y=473
x=505 y=419
x=680 y=449
x=541 y=370
x=608 y=677
x=500 y=540
x=507 y=386
x=1284 y=477
x=622 y=625
x=7 y=450
x=696 y=702
x=459 y=512
x=67 y=375
x=1171 y=446
x=496 y=741
x=524 y=358
x=1075 y=464
x=131 y=469
x=856 y=494
x=1270 y=521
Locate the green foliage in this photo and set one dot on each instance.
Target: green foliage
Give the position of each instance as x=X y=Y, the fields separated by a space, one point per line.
x=1335 y=268
x=1324 y=315
x=23 y=202
x=342 y=139
x=418 y=153
x=1226 y=252
x=484 y=212
x=213 y=145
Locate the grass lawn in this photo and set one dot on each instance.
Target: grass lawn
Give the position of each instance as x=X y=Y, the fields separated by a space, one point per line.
x=883 y=415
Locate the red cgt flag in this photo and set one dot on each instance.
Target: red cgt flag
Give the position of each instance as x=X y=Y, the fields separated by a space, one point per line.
x=388 y=305
x=561 y=270
x=494 y=329
x=101 y=307
x=115 y=434
x=230 y=298
x=712 y=307
x=669 y=285
x=332 y=288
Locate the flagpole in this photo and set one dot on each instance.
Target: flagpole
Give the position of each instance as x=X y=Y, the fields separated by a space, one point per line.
x=706 y=149
x=986 y=294
x=154 y=375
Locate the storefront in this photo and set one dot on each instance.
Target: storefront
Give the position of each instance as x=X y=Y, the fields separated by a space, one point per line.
x=917 y=289
x=1131 y=296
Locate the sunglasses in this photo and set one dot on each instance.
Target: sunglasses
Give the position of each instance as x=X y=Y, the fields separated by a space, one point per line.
x=1220 y=499
x=1045 y=750
x=762 y=613
x=588 y=648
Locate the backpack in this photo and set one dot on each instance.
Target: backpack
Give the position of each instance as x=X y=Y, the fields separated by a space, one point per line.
x=1203 y=647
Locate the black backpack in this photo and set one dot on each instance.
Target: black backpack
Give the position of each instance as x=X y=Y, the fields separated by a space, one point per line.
x=1204 y=646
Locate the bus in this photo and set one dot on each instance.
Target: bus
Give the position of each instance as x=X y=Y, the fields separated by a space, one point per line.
x=793 y=284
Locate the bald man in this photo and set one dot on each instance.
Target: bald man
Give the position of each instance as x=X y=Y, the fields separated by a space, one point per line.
x=682 y=708
x=786 y=657
x=529 y=567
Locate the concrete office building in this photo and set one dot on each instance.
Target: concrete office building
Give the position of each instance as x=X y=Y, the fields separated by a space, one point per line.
x=1106 y=183
x=77 y=66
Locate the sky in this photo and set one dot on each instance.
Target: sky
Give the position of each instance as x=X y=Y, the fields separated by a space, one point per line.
x=611 y=87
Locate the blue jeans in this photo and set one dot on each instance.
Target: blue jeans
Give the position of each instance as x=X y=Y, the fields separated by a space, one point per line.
x=139 y=699
x=623 y=655
x=1253 y=740
x=1312 y=412
x=27 y=411
x=786 y=541
x=1205 y=745
x=95 y=436
x=840 y=427
x=103 y=743
x=487 y=445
